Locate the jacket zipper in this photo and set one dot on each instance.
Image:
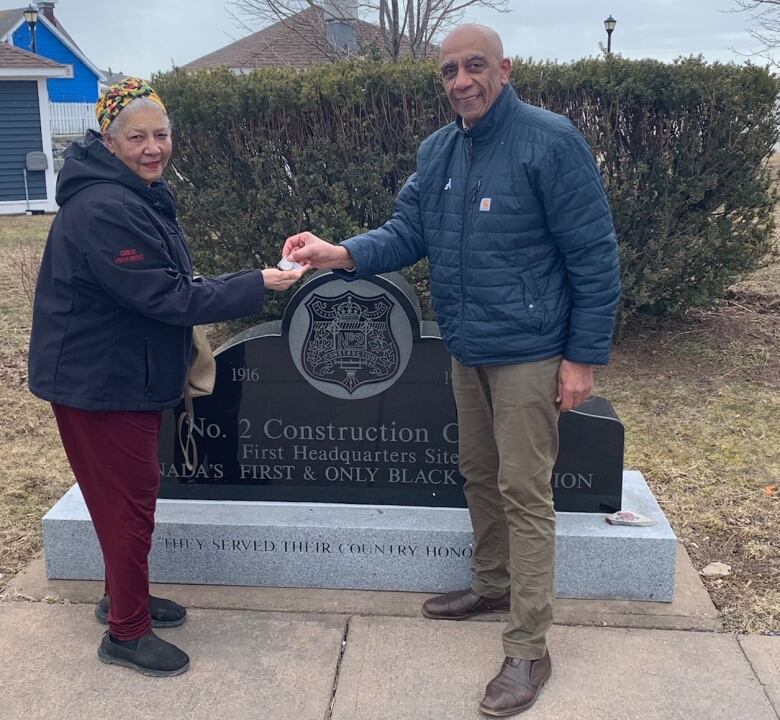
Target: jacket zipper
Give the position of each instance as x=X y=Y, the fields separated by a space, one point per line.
x=463 y=224
x=468 y=222
x=147 y=369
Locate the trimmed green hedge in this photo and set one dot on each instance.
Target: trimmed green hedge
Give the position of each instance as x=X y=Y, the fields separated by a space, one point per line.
x=682 y=148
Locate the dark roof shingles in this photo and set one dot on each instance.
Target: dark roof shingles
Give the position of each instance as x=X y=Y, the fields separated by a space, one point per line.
x=12 y=57
x=298 y=42
x=8 y=18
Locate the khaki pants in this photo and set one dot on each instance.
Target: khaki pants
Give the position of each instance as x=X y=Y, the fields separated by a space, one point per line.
x=508 y=429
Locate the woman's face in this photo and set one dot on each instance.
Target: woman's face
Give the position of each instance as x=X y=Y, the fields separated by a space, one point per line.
x=142 y=141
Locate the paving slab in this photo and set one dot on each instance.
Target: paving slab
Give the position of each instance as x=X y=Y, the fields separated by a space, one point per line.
x=690 y=609
x=763 y=653
x=243 y=665
x=404 y=669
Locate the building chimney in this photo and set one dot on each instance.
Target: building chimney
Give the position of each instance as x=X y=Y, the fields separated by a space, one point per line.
x=47 y=8
x=342 y=36
x=339 y=17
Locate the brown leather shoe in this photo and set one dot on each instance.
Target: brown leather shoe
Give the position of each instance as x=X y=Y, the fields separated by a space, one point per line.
x=462 y=604
x=516 y=687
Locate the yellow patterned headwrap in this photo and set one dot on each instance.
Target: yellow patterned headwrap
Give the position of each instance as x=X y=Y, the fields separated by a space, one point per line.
x=120 y=94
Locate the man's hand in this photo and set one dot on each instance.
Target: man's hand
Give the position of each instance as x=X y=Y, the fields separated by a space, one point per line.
x=308 y=249
x=575 y=382
x=274 y=279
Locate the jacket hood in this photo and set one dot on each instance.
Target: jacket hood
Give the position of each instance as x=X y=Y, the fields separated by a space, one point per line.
x=89 y=161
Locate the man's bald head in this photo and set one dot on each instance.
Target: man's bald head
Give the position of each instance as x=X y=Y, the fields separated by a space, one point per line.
x=474 y=70
x=473 y=34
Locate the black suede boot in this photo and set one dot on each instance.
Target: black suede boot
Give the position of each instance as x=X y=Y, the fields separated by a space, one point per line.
x=149 y=655
x=165 y=613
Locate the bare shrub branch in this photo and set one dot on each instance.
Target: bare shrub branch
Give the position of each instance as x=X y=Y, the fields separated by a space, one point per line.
x=28 y=263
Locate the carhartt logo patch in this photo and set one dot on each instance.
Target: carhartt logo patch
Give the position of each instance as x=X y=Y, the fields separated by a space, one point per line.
x=484 y=205
x=448 y=186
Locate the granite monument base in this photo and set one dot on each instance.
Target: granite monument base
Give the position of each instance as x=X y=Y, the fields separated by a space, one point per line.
x=365 y=547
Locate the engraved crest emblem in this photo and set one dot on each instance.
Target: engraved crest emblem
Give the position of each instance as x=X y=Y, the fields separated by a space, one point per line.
x=350 y=341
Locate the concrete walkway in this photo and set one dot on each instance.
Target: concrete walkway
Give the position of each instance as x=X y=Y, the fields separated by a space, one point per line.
x=300 y=654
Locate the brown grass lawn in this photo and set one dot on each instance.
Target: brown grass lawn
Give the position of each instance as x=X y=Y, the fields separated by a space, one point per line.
x=700 y=399
x=33 y=470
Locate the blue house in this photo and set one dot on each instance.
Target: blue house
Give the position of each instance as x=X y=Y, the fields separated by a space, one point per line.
x=72 y=97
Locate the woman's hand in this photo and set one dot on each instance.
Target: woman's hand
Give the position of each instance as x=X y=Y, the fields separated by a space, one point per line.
x=281 y=279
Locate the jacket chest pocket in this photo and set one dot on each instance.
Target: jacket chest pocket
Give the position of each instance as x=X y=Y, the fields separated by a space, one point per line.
x=497 y=206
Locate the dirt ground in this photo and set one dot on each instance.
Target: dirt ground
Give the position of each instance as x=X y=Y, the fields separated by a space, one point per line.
x=699 y=397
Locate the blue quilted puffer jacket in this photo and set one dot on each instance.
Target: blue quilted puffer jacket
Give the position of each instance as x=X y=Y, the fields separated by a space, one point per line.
x=513 y=217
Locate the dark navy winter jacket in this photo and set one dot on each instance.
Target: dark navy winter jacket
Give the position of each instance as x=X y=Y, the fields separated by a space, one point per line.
x=513 y=217
x=115 y=301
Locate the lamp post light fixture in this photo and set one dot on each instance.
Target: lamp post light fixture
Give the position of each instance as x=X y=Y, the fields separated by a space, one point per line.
x=609 y=24
x=31 y=16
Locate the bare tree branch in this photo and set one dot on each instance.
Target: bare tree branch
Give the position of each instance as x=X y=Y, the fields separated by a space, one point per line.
x=405 y=26
x=308 y=27
x=764 y=26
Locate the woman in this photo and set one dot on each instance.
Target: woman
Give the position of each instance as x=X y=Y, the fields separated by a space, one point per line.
x=110 y=347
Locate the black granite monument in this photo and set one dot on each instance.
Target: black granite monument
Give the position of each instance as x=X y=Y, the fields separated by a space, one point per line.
x=348 y=399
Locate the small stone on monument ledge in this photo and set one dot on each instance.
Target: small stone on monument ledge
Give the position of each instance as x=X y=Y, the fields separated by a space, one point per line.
x=629 y=517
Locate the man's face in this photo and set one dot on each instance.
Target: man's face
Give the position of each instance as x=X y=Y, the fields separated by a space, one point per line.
x=473 y=73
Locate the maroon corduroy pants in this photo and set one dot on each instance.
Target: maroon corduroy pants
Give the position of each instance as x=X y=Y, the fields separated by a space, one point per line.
x=114 y=458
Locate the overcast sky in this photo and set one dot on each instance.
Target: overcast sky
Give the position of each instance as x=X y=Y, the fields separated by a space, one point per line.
x=139 y=37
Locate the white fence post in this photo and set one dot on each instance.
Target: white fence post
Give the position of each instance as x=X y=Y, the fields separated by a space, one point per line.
x=72 y=118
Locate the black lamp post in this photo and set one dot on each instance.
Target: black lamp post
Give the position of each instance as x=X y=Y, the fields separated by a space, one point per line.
x=609 y=24
x=31 y=16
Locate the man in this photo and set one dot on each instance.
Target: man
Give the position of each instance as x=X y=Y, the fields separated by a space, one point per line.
x=508 y=205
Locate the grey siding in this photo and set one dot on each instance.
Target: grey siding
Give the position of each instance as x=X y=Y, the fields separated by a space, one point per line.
x=20 y=133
